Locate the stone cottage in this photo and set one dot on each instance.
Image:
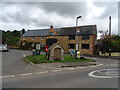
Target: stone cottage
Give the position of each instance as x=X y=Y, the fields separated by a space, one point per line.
x=66 y=37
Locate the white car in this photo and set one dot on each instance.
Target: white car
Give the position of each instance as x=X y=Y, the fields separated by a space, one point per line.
x=4 y=47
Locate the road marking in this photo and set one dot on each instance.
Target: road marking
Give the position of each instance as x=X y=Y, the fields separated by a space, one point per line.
x=108 y=73
x=8 y=76
x=26 y=74
x=69 y=68
x=80 y=67
x=42 y=72
x=56 y=70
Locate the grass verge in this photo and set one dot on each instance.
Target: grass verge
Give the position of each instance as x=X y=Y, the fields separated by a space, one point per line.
x=41 y=59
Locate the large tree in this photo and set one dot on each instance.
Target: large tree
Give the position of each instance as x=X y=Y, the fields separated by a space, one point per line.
x=11 y=37
x=109 y=43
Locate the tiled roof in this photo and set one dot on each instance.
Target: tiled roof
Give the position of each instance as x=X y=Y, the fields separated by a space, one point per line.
x=36 y=32
x=88 y=30
x=91 y=29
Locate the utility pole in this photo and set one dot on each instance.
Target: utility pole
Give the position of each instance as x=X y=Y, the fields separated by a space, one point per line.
x=109 y=35
x=109 y=25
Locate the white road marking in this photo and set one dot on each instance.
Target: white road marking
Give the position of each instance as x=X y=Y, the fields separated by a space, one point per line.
x=42 y=72
x=80 y=67
x=26 y=74
x=8 y=76
x=69 y=68
x=99 y=65
x=56 y=70
x=91 y=74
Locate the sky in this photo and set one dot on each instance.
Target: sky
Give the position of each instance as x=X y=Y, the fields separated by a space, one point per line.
x=39 y=15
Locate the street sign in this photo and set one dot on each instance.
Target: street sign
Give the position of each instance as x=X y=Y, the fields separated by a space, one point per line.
x=76 y=46
x=78 y=29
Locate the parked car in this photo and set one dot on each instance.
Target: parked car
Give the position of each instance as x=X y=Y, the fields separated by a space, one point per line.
x=4 y=47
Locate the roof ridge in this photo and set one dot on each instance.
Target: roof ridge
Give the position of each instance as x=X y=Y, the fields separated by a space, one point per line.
x=38 y=29
x=80 y=26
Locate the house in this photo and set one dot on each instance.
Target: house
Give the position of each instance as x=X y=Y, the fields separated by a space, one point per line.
x=66 y=37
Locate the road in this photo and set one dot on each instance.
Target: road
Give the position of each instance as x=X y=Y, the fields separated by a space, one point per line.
x=19 y=74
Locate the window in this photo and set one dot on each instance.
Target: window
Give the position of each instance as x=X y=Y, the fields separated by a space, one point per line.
x=85 y=46
x=85 y=37
x=71 y=37
x=42 y=37
x=33 y=38
x=71 y=46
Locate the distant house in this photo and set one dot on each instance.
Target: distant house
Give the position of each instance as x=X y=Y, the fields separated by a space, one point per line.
x=66 y=37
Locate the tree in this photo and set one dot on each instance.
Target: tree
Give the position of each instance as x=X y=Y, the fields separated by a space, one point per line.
x=11 y=37
x=16 y=33
x=22 y=31
x=116 y=43
x=109 y=43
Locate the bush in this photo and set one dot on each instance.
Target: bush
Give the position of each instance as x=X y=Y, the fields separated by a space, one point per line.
x=26 y=46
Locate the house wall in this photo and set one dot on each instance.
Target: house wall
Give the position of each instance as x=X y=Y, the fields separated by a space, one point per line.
x=64 y=41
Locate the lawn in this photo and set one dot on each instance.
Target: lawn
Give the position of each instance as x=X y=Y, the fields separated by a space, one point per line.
x=41 y=59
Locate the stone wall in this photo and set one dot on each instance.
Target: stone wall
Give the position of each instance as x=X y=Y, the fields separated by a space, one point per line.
x=63 y=41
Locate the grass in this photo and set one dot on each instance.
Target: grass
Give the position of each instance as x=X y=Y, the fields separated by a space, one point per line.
x=41 y=59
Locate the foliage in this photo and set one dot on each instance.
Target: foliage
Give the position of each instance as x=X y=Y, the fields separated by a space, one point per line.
x=11 y=38
x=109 y=42
x=116 y=43
x=22 y=31
x=26 y=45
x=13 y=41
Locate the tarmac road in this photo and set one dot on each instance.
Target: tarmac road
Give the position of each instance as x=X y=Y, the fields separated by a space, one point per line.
x=19 y=74
x=13 y=63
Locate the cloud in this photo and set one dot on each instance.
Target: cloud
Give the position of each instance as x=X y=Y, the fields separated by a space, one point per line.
x=66 y=9
x=34 y=15
x=111 y=8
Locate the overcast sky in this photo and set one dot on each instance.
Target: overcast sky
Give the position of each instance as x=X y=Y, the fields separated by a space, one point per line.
x=38 y=15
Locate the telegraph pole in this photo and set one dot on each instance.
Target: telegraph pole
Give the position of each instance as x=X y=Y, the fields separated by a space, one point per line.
x=109 y=35
x=109 y=25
